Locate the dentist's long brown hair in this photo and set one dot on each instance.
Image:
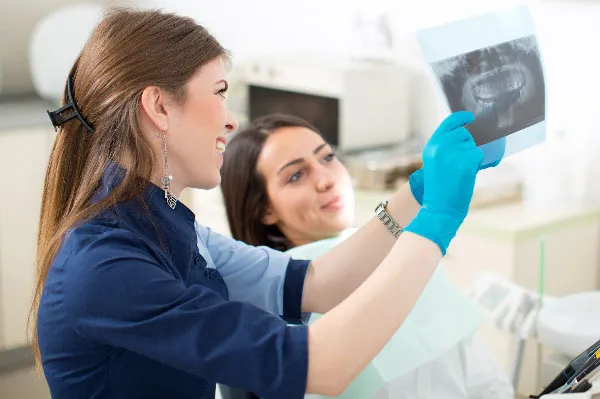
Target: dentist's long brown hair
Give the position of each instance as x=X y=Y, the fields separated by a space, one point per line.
x=127 y=52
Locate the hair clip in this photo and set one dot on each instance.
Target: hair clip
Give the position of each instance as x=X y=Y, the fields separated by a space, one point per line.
x=57 y=119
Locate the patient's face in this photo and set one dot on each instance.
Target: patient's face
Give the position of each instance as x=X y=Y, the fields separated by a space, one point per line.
x=310 y=191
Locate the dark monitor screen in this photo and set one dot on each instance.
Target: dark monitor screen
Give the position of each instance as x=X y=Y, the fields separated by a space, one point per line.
x=321 y=112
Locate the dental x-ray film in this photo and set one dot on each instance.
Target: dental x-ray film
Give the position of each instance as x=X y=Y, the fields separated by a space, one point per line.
x=492 y=66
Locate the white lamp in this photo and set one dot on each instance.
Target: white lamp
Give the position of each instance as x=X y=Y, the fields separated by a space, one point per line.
x=55 y=44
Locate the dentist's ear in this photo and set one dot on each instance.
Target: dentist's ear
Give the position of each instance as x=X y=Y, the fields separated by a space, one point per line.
x=155 y=105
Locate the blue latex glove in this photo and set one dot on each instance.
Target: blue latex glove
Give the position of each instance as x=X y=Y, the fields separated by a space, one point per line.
x=494 y=150
x=451 y=161
x=415 y=181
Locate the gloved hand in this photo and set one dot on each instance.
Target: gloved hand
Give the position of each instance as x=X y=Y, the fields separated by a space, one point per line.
x=415 y=181
x=493 y=151
x=451 y=161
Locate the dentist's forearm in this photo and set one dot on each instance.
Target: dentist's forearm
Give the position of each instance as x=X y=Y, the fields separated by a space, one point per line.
x=343 y=341
x=340 y=271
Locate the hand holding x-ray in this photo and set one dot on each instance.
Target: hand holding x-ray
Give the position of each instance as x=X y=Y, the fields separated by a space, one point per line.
x=491 y=65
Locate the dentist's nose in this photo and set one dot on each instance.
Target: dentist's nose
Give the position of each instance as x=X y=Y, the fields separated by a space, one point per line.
x=231 y=125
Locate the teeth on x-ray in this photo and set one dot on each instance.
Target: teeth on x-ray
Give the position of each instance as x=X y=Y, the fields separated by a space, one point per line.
x=494 y=92
x=502 y=85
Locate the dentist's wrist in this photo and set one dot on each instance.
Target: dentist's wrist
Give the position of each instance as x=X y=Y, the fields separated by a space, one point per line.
x=439 y=227
x=402 y=206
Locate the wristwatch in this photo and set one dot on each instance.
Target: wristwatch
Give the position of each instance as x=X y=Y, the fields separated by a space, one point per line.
x=392 y=226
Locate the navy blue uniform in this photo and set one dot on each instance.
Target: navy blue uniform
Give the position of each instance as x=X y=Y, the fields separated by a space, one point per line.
x=144 y=303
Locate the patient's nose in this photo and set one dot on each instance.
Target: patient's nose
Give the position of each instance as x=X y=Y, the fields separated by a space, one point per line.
x=325 y=179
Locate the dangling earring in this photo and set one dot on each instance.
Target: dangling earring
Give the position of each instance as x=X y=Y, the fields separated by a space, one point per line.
x=166 y=181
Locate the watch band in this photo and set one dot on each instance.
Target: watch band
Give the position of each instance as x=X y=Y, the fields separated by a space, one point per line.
x=392 y=226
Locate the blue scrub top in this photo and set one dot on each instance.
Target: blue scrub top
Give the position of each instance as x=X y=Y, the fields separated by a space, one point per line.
x=141 y=302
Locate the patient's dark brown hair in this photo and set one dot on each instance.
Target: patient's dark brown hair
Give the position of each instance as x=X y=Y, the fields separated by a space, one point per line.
x=244 y=188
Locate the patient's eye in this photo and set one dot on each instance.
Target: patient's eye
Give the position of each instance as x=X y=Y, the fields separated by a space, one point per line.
x=329 y=157
x=294 y=177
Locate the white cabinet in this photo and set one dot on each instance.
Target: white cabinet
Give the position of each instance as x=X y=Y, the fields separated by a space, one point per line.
x=506 y=241
x=23 y=159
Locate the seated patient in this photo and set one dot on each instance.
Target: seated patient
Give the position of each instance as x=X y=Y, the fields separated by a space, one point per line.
x=298 y=197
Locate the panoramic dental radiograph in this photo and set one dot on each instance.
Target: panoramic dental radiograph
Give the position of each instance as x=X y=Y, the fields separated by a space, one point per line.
x=503 y=85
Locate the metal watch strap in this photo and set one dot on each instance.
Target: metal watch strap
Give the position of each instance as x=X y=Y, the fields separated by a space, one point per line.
x=387 y=220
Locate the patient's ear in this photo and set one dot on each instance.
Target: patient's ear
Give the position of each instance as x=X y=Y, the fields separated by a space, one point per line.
x=269 y=217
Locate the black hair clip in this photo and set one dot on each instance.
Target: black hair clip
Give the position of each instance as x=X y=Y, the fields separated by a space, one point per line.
x=57 y=119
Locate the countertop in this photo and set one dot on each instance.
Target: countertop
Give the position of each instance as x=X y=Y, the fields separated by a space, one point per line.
x=502 y=222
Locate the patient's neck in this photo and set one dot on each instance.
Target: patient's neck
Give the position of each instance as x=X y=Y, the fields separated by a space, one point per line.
x=298 y=241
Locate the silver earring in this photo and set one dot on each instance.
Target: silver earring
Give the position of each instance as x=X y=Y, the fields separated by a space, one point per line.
x=167 y=179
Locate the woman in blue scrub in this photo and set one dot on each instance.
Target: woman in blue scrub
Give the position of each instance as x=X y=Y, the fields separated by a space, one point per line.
x=128 y=306
x=309 y=209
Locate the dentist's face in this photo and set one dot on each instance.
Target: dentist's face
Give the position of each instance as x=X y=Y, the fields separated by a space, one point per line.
x=309 y=189
x=198 y=129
